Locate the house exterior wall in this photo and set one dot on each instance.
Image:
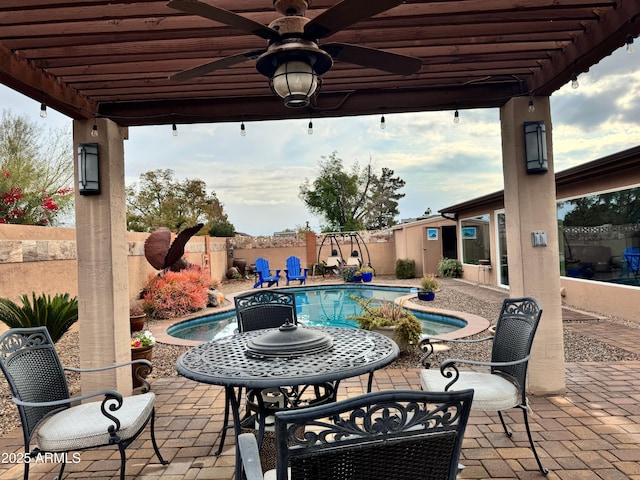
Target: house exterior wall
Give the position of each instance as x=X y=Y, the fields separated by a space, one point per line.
x=411 y=242
x=622 y=171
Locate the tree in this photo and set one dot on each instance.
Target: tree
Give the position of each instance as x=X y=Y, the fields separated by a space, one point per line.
x=159 y=200
x=383 y=200
x=36 y=172
x=618 y=208
x=352 y=200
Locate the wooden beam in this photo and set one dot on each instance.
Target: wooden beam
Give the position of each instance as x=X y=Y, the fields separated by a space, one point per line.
x=19 y=75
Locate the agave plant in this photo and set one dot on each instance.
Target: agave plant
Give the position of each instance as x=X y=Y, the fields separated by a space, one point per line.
x=58 y=314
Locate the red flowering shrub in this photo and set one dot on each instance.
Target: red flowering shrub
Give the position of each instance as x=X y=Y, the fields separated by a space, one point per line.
x=31 y=208
x=174 y=294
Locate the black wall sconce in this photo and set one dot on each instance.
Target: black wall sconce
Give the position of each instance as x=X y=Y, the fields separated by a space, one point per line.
x=88 y=169
x=535 y=145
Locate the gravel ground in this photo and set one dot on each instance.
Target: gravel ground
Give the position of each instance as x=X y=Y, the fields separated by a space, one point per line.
x=578 y=348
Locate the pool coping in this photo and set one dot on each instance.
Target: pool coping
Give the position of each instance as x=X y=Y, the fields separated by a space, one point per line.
x=475 y=323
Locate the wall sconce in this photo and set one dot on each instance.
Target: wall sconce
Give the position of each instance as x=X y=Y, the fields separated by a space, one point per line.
x=88 y=169
x=535 y=147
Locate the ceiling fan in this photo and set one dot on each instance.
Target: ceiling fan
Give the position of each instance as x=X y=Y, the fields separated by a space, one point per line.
x=293 y=61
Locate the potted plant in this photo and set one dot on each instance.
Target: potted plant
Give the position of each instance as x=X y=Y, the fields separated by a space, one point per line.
x=367 y=273
x=141 y=348
x=391 y=319
x=429 y=284
x=136 y=317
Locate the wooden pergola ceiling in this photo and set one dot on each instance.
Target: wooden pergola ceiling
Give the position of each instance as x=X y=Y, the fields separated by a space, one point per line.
x=113 y=58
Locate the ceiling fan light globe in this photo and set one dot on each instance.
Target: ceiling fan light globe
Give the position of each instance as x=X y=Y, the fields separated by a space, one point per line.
x=296 y=82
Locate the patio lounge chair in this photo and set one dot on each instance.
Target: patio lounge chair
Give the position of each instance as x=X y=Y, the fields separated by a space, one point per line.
x=399 y=435
x=503 y=387
x=36 y=377
x=294 y=271
x=334 y=263
x=263 y=274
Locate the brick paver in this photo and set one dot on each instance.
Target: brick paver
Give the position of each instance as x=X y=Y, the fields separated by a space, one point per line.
x=590 y=433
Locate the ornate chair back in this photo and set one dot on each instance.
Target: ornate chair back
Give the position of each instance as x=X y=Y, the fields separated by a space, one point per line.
x=265 y=309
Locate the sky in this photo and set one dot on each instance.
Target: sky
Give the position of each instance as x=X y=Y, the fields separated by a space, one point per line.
x=257 y=177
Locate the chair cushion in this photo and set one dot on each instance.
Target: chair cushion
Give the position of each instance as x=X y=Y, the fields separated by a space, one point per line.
x=84 y=425
x=491 y=392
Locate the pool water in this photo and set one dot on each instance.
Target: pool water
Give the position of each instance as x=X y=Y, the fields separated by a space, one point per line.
x=327 y=306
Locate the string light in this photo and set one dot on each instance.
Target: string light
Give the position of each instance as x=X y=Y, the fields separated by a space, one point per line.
x=629 y=41
x=43 y=110
x=310 y=129
x=94 y=130
x=243 y=131
x=174 y=130
x=532 y=107
x=383 y=124
x=456 y=117
x=574 y=81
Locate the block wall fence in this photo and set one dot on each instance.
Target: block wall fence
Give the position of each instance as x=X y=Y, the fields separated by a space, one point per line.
x=43 y=259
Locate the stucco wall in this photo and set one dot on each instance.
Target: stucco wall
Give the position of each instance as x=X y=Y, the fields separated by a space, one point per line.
x=43 y=260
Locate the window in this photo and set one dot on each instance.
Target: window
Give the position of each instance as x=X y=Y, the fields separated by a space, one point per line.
x=475 y=239
x=594 y=233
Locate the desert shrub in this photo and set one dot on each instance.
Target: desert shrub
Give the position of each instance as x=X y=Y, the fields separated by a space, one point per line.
x=450 y=268
x=405 y=269
x=58 y=314
x=174 y=294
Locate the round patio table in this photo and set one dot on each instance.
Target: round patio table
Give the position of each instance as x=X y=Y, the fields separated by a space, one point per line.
x=225 y=362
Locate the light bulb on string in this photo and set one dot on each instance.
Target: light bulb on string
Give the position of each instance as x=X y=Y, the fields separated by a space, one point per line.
x=574 y=81
x=383 y=123
x=243 y=130
x=532 y=107
x=629 y=41
x=43 y=110
x=310 y=129
x=456 y=117
x=94 y=130
x=174 y=130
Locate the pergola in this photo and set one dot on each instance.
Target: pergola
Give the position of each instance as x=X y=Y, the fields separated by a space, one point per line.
x=108 y=63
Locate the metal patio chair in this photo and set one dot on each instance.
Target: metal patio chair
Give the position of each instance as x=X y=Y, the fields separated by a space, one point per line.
x=54 y=421
x=504 y=385
x=399 y=435
x=256 y=310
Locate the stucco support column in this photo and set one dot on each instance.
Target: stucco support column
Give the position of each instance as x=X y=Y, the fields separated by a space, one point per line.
x=530 y=206
x=103 y=282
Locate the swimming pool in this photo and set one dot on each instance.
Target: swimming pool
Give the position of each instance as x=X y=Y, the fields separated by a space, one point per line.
x=329 y=306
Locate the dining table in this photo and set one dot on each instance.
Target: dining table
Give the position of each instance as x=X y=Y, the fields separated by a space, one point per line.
x=231 y=362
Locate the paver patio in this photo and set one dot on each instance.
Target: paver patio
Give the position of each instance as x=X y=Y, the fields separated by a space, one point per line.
x=592 y=432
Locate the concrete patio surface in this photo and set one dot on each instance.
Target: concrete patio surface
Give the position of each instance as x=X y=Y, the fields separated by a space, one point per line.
x=592 y=432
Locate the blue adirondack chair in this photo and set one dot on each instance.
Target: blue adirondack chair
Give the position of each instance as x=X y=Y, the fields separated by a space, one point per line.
x=263 y=274
x=632 y=257
x=294 y=271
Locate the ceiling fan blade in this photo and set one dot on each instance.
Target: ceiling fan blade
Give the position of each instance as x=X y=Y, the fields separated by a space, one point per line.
x=221 y=15
x=345 y=14
x=373 y=58
x=225 y=62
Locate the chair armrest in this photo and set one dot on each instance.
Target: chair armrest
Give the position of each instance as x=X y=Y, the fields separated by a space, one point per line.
x=109 y=367
x=449 y=369
x=277 y=274
x=250 y=456
x=66 y=401
x=141 y=372
x=426 y=346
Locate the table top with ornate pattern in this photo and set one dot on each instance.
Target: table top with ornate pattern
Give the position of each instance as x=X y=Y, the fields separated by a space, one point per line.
x=224 y=361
